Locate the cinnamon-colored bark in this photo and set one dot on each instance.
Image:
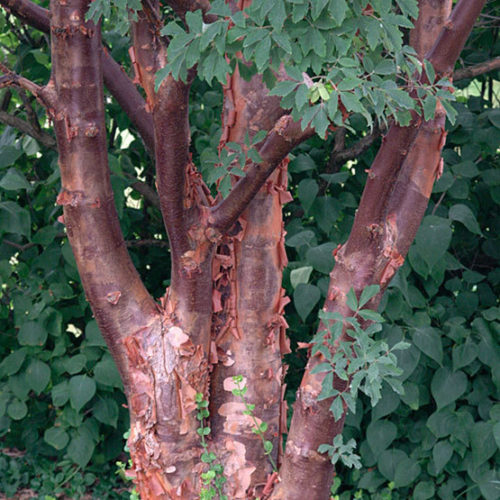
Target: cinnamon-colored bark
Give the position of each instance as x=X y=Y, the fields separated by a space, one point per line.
x=119 y=301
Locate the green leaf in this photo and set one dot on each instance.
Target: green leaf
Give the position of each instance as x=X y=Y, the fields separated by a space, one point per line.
x=32 y=333
x=464 y=354
x=305 y=297
x=371 y=315
x=8 y=155
x=380 y=434
x=407 y=470
x=262 y=51
x=56 y=437
x=482 y=443
x=441 y=454
x=352 y=301
x=14 y=219
x=307 y=191
x=277 y=14
x=429 y=107
x=105 y=372
x=81 y=448
x=447 y=386
x=12 y=363
x=75 y=364
x=81 y=390
x=368 y=293
x=106 y=411
x=338 y=9
x=93 y=335
x=388 y=462
x=424 y=490
x=300 y=275
x=60 y=393
x=17 y=409
x=428 y=340
x=429 y=69
x=463 y=214
x=433 y=239
x=337 y=408
x=321 y=257
x=37 y=375
x=14 y=180
x=283 y=88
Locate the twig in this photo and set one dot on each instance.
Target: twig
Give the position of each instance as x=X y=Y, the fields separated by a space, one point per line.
x=41 y=136
x=477 y=69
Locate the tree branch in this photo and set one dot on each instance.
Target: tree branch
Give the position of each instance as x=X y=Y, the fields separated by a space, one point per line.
x=431 y=18
x=113 y=287
x=181 y=7
x=115 y=79
x=453 y=36
x=393 y=203
x=285 y=135
x=41 y=136
x=477 y=69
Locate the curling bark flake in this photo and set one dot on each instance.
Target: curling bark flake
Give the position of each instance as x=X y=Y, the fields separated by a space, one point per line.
x=223 y=313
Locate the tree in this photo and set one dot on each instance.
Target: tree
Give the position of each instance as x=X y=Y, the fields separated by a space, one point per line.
x=223 y=313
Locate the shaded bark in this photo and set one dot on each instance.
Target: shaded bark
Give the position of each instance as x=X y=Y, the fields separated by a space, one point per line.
x=249 y=327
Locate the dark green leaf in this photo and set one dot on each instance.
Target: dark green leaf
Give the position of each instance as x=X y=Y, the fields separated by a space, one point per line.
x=380 y=434
x=56 y=437
x=428 y=340
x=81 y=390
x=447 y=386
x=32 y=333
x=37 y=375
x=305 y=297
x=463 y=214
x=81 y=448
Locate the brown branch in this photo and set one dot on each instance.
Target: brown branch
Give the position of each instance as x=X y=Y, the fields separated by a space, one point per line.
x=341 y=156
x=451 y=41
x=285 y=135
x=477 y=69
x=172 y=158
x=115 y=79
x=146 y=243
x=181 y=7
x=431 y=18
x=146 y=190
x=393 y=203
x=44 y=138
x=113 y=287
